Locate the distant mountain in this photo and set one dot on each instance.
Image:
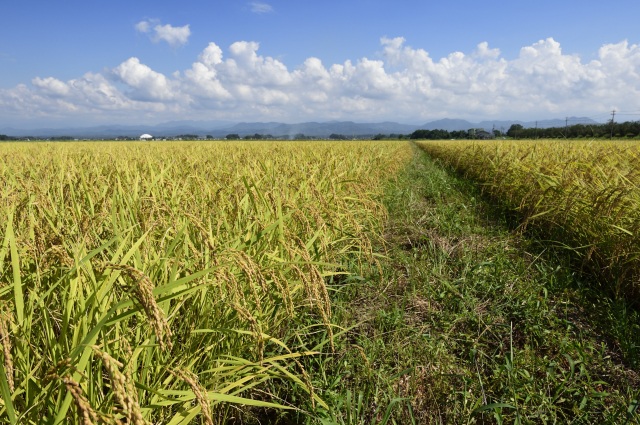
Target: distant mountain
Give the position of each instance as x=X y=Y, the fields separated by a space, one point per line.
x=320 y=129
x=221 y=129
x=277 y=129
x=173 y=128
x=82 y=132
x=195 y=124
x=457 y=125
x=448 y=124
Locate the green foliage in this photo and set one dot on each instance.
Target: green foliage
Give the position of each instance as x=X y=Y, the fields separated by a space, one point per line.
x=627 y=129
x=515 y=131
x=470 y=322
x=439 y=135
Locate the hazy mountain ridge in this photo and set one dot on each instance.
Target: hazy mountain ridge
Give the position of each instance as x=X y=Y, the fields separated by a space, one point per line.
x=502 y=125
x=220 y=129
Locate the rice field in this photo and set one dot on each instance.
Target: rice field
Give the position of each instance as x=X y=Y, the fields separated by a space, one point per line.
x=242 y=282
x=177 y=282
x=580 y=195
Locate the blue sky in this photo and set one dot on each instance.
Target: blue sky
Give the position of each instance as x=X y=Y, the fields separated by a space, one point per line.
x=72 y=62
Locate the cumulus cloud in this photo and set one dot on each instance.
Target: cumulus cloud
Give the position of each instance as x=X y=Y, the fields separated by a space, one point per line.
x=201 y=81
x=51 y=85
x=145 y=83
x=260 y=8
x=174 y=36
x=402 y=83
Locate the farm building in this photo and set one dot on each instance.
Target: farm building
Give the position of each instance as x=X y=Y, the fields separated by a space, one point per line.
x=146 y=137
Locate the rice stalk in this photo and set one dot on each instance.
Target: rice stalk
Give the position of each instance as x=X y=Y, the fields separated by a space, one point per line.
x=122 y=387
x=87 y=415
x=142 y=290
x=255 y=327
x=5 y=339
x=200 y=392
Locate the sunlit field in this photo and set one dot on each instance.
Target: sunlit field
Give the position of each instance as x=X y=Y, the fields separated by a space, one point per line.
x=333 y=283
x=164 y=282
x=580 y=195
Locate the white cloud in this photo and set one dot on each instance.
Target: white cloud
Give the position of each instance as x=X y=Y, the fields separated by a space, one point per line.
x=144 y=83
x=259 y=7
x=143 y=26
x=174 y=36
x=51 y=85
x=483 y=51
x=211 y=56
x=403 y=83
x=247 y=66
x=201 y=80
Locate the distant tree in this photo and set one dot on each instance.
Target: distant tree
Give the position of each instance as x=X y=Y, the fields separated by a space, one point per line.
x=233 y=136
x=420 y=134
x=515 y=131
x=335 y=136
x=437 y=134
x=208 y=136
x=255 y=136
x=187 y=136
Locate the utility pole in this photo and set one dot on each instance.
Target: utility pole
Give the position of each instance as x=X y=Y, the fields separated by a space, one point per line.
x=613 y=117
x=566 y=126
x=536 y=130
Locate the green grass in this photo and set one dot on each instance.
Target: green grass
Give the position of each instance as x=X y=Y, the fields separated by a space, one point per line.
x=471 y=322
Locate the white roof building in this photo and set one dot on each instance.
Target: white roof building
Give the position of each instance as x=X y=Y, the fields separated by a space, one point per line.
x=146 y=137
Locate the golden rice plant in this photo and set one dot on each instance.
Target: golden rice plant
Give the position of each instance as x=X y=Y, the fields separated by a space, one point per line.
x=176 y=282
x=582 y=195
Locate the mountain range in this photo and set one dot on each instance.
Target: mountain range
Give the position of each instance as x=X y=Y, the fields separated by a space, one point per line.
x=220 y=129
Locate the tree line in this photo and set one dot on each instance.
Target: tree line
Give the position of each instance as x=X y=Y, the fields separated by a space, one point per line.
x=627 y=129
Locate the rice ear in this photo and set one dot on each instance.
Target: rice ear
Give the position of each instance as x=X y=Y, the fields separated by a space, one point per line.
x=198 y=390
x=142 y=290
x=123 y=388
x=5 y=340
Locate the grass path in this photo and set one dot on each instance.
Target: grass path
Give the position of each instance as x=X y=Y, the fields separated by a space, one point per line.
x=471 y=322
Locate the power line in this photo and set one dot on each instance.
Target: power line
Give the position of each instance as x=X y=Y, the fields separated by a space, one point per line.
x=613 y=117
